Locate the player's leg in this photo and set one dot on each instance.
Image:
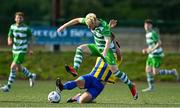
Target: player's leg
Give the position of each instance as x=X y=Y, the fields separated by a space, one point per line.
x=28 y=74
x=167 y=72
x=11 y=78
x=157 y=70
x=69 y=85
x=150 y=79
x=124 y=78
x=84 y=98
x=80 y=98
x=110 y=59
x=74 y=98
x=80 y=83
x=88 y=48
x=94 y=88
x=149 y=75
x=78 y=58
x=25 y=71
x=12 y=75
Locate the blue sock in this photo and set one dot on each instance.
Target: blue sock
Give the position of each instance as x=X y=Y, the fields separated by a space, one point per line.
x=70 y=85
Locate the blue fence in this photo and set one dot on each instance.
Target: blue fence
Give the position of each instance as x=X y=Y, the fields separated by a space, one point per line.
x=71 y=36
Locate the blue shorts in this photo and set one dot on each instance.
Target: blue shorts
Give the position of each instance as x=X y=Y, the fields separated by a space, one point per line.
x=93 y=85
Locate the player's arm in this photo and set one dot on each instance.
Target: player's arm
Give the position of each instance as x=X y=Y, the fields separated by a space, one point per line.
x=69 y=23
x=10 y=37
x=112 y=23
x=107 y=45
x=157 y=43
x=118 y=52
x=30 y=51
x=9 y=40
x=117 y=47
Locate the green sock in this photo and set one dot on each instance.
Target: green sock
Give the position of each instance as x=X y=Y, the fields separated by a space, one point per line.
x=78 y=58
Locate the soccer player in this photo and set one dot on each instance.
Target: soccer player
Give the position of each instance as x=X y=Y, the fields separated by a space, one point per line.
x=103 y=47
x=19 y=37
x=155 y=55
x=95 y=81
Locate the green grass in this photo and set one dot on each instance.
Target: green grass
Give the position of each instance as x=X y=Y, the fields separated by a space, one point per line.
x=117 y=95
x=48 y=65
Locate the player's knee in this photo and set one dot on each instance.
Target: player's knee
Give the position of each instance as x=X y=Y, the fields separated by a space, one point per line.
x=83 y=47
x=114 y=68
x=80 y=84
x=13 y=66
x=155 y=71
x=148 y=70
x=82 y=100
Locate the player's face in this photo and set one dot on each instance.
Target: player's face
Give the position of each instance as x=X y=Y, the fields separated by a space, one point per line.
x=91 y=25
x=19 y=19
x=147 y=26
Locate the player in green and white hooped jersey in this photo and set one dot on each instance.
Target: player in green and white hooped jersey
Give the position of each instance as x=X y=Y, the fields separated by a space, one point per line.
x=19 y=37
x=155 y=55
x=103 y=46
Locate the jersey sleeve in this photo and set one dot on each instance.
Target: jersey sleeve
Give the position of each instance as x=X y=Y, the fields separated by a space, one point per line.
x=106 y=33
x=83 y=21
x=106 y=30
x=10 y=33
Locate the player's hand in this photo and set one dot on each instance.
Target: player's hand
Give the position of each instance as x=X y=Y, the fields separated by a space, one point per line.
x=112 y=23
x=10 y=41
x=30 y=52
x=146 y=51
x=104 y=54
x=60 y=29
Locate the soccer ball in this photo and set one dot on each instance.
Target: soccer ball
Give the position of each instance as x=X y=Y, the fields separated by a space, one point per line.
x=54 y=97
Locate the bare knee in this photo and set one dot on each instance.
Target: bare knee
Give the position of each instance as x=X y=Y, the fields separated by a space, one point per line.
x=114 y=68
x=148 y=69
x=80 y=83
x=85 y=97
x=14 y=66
x=155 y=71
x=84 y=48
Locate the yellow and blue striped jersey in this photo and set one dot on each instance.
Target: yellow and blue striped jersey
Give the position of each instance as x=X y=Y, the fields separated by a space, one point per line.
x=102 y=71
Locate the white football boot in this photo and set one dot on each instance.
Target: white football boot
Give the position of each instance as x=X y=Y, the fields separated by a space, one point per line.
x=32 y=80
x=5 y=88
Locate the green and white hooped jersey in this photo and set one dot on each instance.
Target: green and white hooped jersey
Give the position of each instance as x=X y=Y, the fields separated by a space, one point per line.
x=99 y=33
x=151 y=39
x=20 y=35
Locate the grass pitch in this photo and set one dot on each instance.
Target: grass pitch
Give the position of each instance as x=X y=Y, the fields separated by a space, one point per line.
x=114 y=95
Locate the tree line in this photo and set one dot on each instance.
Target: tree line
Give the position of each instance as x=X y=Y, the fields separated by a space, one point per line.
x=127 y=12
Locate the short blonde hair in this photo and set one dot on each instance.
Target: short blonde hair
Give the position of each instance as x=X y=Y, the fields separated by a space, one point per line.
x=90 y=18
x=91 y=15
x=19 y=14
